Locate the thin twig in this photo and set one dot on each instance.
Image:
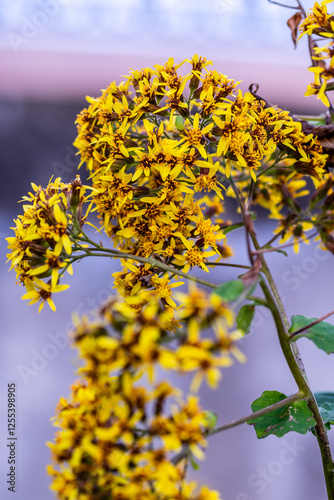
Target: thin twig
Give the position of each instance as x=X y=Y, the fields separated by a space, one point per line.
x=274 y=238
x=301 y=8
x=145 y=260
x=277 y=249
x=284 y=5
x=258 y=300
x=245 y=214
x=250 y=195
x=225 y=264
x=259 y=413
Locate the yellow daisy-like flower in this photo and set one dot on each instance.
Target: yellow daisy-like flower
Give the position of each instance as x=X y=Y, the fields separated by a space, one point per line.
x=38 y=290
x=192 y=257
x=194 y=135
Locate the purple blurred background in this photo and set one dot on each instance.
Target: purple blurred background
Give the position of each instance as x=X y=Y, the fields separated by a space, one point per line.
x=54 y=53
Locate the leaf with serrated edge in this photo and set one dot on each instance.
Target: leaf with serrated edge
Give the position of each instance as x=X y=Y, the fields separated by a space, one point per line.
x=327 y=413
x=321 y=334
x=294 y=417
x=325 y=402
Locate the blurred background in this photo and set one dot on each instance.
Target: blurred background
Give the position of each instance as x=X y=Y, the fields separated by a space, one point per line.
x=55 y=52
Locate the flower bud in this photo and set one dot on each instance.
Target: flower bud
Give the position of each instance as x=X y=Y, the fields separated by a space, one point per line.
x=74 y=192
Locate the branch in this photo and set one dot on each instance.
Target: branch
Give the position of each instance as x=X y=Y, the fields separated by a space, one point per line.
x=274 y=238
x=284 y=5
x=298 y=332
x=277 y=249
x=145 y=260
x=292 y=356
x=259 y=413
x=239 y=266
x=248 y=223
x=258 y=300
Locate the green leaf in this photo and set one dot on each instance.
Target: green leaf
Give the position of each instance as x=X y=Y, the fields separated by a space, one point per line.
x=253 y=215
x=324 y=397
x=277 y=250
x=230 y=290
x=327 y=414
x=294 y=417
x=179 y=122
x=245 y=317
x=193 y=464
x=322 y=334
x=325 y=402
x=211 y=419
x=233 y=227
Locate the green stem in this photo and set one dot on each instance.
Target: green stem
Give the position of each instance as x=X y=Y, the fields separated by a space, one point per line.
x=249 y=418
x=258 y=300
x=184 y=453
x=245 y=218
x=145 y=260
x=279 y=157
x=292 y=356
x=225 y=264
x=278 y=316
x=312 y=118
x=250 y=195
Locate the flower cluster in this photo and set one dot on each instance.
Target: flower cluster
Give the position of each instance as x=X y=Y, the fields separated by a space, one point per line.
x=157 y=146
x=42 y=245
x=320 y=22
x=161 y=149
x=127 y=436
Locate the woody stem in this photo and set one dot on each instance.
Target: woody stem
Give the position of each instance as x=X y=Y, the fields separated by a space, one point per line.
x=293 y=359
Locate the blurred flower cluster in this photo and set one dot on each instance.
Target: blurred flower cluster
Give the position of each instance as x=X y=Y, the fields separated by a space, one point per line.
x=124 y=434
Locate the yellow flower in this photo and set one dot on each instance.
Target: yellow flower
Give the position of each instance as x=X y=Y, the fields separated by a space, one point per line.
x=296 y=231
x=42 y=245
x=163 y=287
x=194 y=136
x=192 y=257
x=38 y=290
